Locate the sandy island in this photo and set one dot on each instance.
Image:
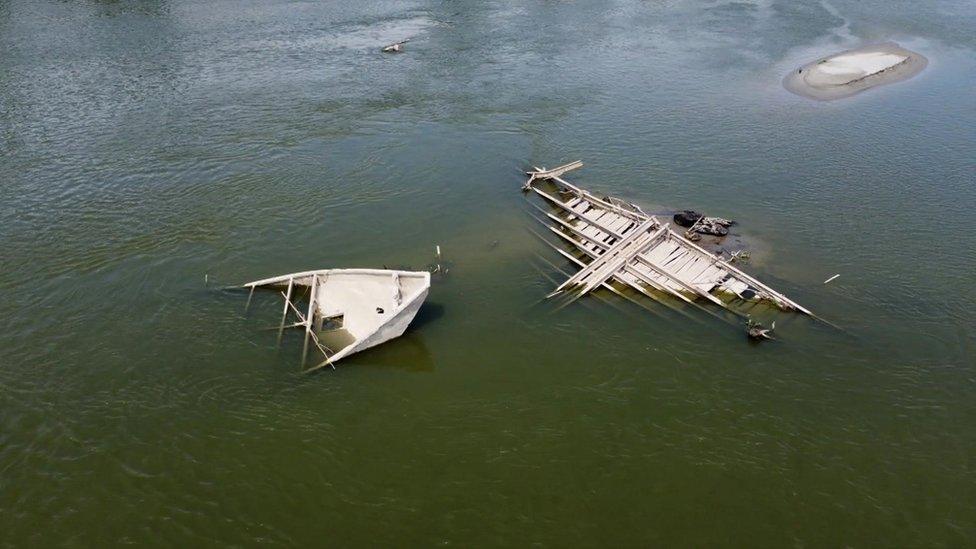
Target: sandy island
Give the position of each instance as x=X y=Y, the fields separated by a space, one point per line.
x=853 y=71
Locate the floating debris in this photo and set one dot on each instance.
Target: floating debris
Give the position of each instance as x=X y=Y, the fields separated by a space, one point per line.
x=437 y=253
x=542 y=173
x=758 y=331
x=617 y=242
x=739 y=255
x=831 y=279
x=396 y=47
x=349 y=310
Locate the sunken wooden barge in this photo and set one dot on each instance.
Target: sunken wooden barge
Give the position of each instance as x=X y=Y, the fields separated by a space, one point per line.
x=618 y=243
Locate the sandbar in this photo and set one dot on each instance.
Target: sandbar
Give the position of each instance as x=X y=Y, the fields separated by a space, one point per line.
x=853 y=71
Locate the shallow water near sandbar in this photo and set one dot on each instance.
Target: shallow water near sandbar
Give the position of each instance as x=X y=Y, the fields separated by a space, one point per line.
x=148 y=144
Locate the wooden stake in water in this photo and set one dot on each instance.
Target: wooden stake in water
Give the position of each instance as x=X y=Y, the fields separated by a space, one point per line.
x=310 y=317
x=249 y=296
x=284 y=314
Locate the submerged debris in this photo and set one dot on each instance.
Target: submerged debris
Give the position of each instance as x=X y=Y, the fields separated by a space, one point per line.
x=615 y=242
x=758 y=331
x=543 y=173
x=699 y=223
x=396 y=47
x=739 y=255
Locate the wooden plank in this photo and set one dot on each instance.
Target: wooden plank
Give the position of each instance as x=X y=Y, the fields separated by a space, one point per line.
x=629 y=269
x=624 y=257
x=554 y=172
x=283 y=278
x=559 y=203
x=249 y=296
x=603 y=246
x=310 y=317
x=693 y=289
x=593 y=198
x=727 y=266
x=601 y=262
x=284 y=313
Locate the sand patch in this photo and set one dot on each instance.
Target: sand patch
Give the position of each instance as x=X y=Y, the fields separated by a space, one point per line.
x=853 y=71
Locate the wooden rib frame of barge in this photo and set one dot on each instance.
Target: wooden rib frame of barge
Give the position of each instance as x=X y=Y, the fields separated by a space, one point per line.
x=618 y=242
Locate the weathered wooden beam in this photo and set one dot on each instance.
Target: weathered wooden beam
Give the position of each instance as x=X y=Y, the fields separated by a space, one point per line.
x=249 y=296
x=561 y=204
x=282 y=278
x=612 y=253
x=690 y=287
x=632 y=272
x=553 y=172
x=730 y=268
x=593 y=198
x=604 y=246
x=284 y=312
x=310 y=317
x=623 y=258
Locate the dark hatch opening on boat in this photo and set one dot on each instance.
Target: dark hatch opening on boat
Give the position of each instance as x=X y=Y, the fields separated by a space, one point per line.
x=333 y=322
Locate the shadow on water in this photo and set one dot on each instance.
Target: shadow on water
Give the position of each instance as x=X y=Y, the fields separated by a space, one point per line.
x=408 y=351
x=428 y=313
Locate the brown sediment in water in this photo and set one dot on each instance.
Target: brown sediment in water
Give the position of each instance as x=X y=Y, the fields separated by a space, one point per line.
x=853 y=71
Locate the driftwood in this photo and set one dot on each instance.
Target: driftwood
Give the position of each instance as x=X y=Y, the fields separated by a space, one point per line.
x=542 y=173
x=395 y=47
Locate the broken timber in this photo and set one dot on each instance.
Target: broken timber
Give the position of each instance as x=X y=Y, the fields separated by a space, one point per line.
x=623 y=244
x=550 y=174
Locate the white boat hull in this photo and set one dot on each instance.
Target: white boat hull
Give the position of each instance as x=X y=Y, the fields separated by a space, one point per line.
x=351 y=310
x=392 y=329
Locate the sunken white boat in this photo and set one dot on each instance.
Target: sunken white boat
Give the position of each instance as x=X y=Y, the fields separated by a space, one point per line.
x=348 y=310
x=617 y=245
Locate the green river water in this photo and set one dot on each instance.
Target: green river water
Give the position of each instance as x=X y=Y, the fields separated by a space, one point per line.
x=148 y=144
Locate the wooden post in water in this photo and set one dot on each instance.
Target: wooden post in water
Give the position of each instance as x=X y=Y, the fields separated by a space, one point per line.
x=284 y=313
x=249 y=296
x=310 y=317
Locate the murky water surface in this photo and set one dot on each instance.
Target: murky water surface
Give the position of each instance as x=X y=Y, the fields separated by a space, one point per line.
x=147 y=144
